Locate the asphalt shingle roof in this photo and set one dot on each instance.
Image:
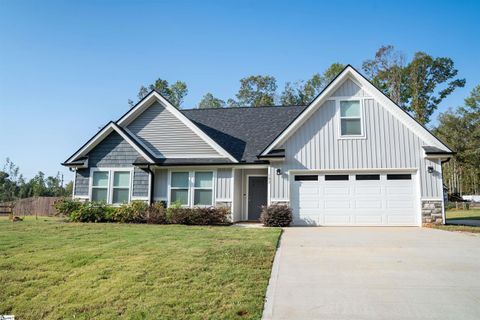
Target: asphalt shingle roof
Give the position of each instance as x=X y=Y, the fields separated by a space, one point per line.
x=244 y=132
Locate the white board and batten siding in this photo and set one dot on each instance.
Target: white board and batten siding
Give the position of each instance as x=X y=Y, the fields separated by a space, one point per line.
x=224 y=185
x=388 y=144
x=176 y=139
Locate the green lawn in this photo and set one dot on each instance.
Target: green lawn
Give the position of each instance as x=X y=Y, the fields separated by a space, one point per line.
x=50 y=269
x=456 y=228
x=463 y=214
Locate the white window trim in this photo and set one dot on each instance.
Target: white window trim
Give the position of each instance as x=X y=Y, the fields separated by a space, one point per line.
x=202 y=188
x=170 y=188
x=362 y=118
x=191 y=186
x=110 y=183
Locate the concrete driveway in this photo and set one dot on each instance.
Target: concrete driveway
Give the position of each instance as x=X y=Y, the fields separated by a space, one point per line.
x=375 y=273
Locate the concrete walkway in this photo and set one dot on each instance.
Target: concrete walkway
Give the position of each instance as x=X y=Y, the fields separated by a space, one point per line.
x=375 y=273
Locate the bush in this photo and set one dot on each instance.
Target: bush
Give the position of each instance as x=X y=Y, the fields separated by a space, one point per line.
x=134 y=212
x=276 y=215
x=157 y=214
x=92 y=212
x=177 y=215
x=141 y=212
x=450 y=206
x=209 y=216
x=66 y=206
x=198 y=216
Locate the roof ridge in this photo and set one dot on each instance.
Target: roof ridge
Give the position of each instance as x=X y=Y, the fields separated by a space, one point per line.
x=245 y=107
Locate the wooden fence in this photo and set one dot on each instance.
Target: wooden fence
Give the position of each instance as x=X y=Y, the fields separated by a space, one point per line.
x=41 y=206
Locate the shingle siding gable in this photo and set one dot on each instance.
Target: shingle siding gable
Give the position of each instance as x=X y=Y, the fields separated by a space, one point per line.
x=112 y=152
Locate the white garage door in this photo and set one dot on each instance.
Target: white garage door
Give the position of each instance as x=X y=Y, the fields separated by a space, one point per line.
x=357 y=199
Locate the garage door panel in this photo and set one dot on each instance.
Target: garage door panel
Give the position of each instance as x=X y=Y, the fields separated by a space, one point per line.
x=401 y=220
x=368 y=219
x=340 y=190
x=400 y=204
x=394 y=190
x=360 y=202
x=368 y=190
x=337 y=204
x=369 y=204
x=336 y=219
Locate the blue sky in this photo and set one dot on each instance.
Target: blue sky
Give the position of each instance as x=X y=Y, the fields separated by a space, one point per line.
x=68 y=67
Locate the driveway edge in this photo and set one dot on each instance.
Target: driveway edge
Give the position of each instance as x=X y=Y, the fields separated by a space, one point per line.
x=272 y=283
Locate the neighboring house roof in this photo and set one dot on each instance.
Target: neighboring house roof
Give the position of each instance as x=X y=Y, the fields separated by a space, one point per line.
x=244 y=132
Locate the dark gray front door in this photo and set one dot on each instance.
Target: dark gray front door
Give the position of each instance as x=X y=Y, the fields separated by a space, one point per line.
x=257 y=196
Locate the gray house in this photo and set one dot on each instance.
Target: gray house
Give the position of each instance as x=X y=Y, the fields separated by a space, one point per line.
x=351 y=157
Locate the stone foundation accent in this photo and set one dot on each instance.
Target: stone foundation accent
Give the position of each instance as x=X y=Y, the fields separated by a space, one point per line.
x=432 y=211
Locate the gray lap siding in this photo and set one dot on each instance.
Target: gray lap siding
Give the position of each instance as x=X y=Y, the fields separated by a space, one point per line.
x=112 y=152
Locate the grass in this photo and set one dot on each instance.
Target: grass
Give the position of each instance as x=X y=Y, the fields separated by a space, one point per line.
x=50 y=269
x=472 y=214
x=456 y=228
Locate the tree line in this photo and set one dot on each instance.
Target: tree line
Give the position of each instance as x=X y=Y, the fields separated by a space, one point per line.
x=14 y=186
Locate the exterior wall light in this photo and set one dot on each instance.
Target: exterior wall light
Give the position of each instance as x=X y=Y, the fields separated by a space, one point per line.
x=430 y=169
x=279 y=172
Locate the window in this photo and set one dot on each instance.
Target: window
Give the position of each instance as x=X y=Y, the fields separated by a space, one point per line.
x=336 y=177
x=100 y=186
x=202 y=194
x=350 y=118
x=367 y=177
x=192 y=188
x=111 y=186
x=121 y=187
x=399 y=177
x=306 y=178
x=179 y=188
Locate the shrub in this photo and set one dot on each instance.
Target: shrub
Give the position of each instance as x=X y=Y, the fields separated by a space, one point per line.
x=450 y=206
x=177 y=215
x=92 y=212
x=198 y=216
x=276 y=215
x=209 y=216
x=66 y=206
x=134 y=212
x=157 y=213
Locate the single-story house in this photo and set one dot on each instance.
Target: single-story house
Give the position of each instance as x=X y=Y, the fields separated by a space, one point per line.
x=351 y=157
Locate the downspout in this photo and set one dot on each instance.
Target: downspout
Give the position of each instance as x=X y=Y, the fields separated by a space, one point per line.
x=152 y=183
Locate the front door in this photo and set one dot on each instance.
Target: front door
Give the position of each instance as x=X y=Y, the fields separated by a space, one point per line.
x=257 y=196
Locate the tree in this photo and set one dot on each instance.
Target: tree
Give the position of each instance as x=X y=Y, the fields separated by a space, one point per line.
x=175 y=93
x=462 y=173
x=255 y=91
x=424 y=76
x=210 y=102
x=386 y=71
x=303 y=93
x=419 y=86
